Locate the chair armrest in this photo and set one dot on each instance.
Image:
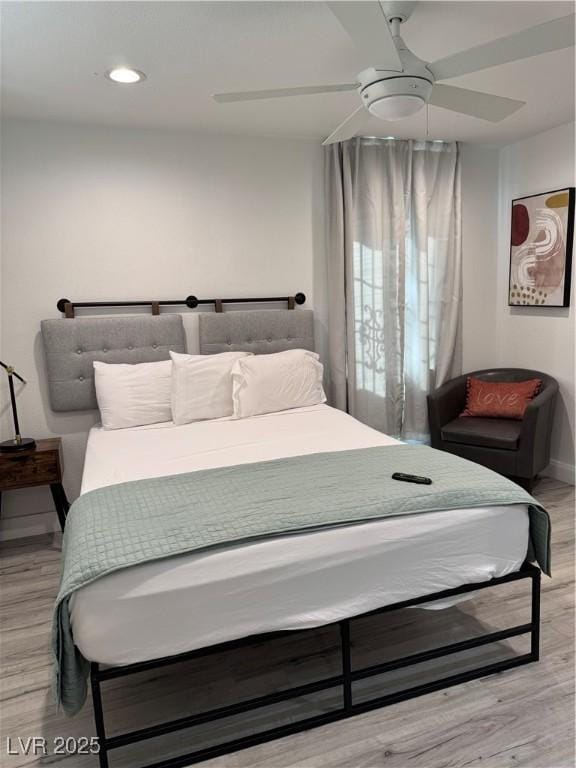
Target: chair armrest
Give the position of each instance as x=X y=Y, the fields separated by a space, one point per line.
x=536 y=432
x=444 y=405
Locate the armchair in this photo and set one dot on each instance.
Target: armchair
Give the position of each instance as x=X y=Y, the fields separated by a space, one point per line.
x=517 y=449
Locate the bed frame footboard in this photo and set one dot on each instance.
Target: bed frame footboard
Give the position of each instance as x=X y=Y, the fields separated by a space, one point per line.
x=344 y=680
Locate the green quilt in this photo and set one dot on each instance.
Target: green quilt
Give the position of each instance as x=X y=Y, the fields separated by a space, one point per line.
x=137 y=522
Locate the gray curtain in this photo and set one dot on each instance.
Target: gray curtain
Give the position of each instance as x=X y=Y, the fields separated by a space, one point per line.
x=394 y=278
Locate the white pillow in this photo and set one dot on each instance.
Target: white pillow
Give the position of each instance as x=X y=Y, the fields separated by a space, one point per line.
x=202 y=386
x=131 y=395
x=277 y=382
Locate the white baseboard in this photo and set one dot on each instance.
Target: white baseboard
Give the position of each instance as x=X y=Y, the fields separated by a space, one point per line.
x=21 y=526
x=560 y=470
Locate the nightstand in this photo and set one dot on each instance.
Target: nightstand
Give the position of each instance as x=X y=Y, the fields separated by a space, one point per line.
x=40 y=466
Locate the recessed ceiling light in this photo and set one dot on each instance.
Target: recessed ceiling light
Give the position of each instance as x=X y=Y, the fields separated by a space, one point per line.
x=126 y=75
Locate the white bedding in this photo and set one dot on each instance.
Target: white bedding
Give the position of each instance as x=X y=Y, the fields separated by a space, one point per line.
x=178 y=604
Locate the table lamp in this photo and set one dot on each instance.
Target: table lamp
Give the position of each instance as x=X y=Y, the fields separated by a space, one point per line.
x=19 y=443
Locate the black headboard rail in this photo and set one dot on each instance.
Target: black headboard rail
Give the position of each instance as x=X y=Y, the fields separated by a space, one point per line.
x=68 y=308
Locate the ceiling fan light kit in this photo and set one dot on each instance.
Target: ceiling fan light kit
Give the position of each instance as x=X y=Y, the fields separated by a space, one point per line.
x=401 y=84
x=393 y=96
x=391 y=108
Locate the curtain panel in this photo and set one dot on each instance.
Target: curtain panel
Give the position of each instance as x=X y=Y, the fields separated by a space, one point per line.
x=394 y=278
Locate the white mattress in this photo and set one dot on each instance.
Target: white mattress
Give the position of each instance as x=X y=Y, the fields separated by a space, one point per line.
x=186 y=602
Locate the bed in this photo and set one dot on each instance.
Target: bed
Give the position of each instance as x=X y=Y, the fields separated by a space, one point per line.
x=147 y=614
x=302 y=581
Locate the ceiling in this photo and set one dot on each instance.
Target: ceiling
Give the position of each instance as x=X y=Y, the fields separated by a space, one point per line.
x=54 y=55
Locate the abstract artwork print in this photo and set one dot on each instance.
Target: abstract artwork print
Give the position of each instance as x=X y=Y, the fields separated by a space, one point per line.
x=541 y=235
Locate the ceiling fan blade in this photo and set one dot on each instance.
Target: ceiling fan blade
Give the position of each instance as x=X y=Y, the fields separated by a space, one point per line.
x=277 y=93
x=549 y=36
x=366 y=24
x=348 y=127
x=475 y=103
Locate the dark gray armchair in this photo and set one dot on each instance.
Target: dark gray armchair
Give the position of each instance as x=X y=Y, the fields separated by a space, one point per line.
x=517 y=449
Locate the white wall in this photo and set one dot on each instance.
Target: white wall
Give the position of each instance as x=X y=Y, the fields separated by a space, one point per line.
x=540 y=338
x=105 y=213
x=479 y=255
x=493 y=333
x=100 y=213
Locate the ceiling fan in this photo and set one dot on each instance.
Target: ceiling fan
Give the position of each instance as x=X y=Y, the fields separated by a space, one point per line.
x=401 y=84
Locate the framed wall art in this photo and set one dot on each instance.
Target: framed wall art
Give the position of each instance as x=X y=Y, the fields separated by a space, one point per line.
x=541 y=239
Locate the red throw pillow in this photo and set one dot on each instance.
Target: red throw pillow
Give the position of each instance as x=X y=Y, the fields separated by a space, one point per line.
x=499 y=399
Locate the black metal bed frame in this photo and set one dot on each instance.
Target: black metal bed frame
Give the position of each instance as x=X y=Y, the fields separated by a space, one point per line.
x=344 y=680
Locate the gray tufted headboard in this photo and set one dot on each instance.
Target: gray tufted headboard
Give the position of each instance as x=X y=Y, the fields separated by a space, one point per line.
x=260 y=331
x=72 y=345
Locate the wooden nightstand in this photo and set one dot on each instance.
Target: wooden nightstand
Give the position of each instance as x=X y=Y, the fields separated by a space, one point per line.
x=41 y=466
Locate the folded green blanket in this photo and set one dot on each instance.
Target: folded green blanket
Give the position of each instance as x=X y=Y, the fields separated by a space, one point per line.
x=137 y=522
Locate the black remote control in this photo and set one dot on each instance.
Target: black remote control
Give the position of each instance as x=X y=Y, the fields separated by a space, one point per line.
x=411 y=478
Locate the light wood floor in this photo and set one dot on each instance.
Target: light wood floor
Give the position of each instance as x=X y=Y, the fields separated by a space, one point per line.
x=523 y=717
